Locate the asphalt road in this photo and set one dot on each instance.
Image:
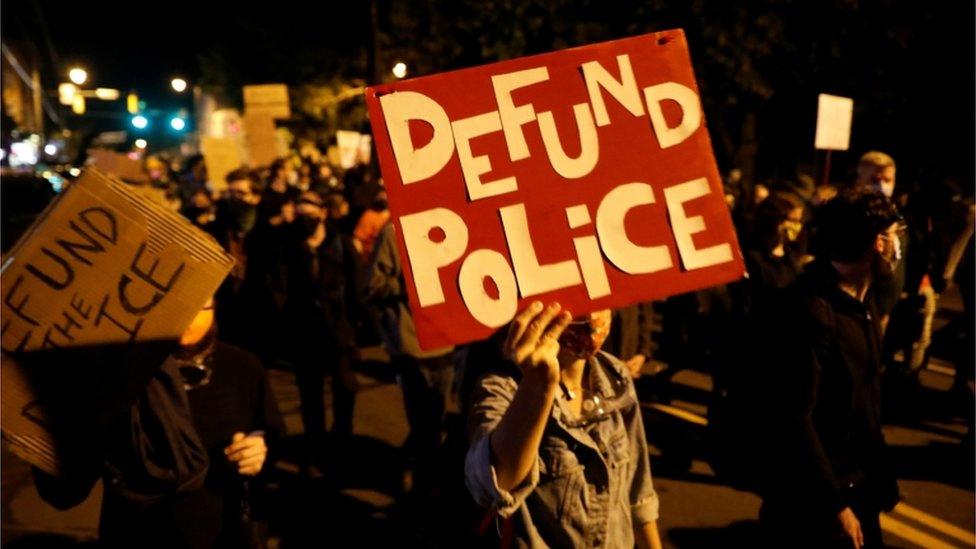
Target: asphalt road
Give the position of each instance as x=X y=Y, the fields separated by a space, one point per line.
x=357 y=498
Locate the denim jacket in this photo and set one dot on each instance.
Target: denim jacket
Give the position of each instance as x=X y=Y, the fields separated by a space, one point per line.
x=589 y=485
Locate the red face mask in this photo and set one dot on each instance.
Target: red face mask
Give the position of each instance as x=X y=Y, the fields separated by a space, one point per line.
x=584 y=336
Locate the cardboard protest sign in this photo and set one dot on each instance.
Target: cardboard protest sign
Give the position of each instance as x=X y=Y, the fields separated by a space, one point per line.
x=116 y=164
x=222 y=155
x=584 y=176
x=103 y=265
x=267 y=99
x=262 y=143
x=834 y=115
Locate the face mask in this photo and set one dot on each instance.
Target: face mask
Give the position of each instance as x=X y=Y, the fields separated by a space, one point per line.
x=307 y=225
x=195 y=362
x=583 y=338
x=243 y=215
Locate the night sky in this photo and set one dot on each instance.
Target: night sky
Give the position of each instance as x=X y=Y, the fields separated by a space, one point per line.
x=143 y=45
x=921 y=109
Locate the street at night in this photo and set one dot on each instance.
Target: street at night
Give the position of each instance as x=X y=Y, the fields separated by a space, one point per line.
x=452 y=273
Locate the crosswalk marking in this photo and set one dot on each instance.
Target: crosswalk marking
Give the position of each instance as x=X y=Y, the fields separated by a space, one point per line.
x=679 y=413
x=912 y=534
x=935 y=523
x=939 y=369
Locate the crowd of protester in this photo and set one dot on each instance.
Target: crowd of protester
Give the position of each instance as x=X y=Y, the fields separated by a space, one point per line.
x=842 y=286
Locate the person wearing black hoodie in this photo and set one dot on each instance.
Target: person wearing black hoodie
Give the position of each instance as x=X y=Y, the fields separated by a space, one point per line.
x=829 y=473
x=178 y=466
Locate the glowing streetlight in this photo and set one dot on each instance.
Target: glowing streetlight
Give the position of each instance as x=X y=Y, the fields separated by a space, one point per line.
x=141 y=143
x=177 y=123
x=178 y=84
x=78 y=105
x=67 y=92
x=50 y=149
x=78 y=75
x=140 y=122
x=107 y=94
x=400 y=69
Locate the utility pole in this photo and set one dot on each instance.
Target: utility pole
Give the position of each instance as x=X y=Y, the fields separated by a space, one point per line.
x=37 y=90
x=374 y=58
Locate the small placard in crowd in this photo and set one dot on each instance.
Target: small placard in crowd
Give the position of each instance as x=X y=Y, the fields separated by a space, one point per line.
x=267 y=99
x=834 y=115
x=119 y=165
x=262 y=143
x=222 y=155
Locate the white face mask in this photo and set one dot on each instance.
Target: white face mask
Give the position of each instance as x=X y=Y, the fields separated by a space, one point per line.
x=886 y=189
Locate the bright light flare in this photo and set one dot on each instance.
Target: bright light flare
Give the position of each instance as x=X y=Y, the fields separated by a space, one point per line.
x=78 y=75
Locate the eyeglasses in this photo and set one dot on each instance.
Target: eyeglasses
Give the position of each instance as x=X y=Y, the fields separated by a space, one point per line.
x=601 y=407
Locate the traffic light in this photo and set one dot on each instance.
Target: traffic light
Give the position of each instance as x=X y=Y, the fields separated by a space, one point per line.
x=132 y=103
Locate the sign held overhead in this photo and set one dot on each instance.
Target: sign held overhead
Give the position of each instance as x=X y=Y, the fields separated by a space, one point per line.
x=584 y=176
x=834 y=115
x=103 y=266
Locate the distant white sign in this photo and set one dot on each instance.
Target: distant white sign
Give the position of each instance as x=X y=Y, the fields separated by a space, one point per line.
x=350 y=144
x=834 y=114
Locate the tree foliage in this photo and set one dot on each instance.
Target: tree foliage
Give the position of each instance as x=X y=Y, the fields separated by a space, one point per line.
x=759 y=64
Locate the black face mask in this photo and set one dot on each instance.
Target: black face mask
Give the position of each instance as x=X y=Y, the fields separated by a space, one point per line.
x=195 y=362
x=243 y=215
x=306 y=225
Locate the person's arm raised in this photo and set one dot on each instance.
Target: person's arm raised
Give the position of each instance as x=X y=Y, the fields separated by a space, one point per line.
x=532 y=344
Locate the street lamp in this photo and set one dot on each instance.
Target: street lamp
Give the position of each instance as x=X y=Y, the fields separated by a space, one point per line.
x=178 y=84
x=78 y=75
x=400 y=69
x=107 y=94
x=67 y=92
x=177 y=123
x=141 y=143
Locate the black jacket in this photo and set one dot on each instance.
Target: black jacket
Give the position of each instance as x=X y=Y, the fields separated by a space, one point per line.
x=320 y=296
x=825 y=407
x=237 y=399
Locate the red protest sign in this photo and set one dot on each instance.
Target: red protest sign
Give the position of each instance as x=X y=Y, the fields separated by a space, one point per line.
x=584 y=176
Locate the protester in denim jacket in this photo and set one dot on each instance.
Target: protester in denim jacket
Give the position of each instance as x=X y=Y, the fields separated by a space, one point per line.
x=557 y=444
